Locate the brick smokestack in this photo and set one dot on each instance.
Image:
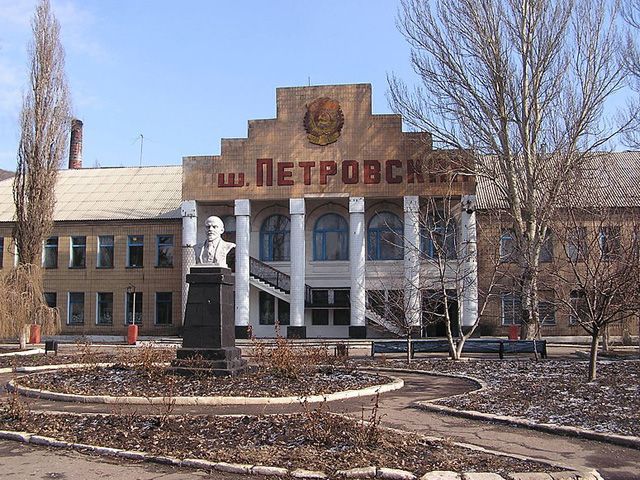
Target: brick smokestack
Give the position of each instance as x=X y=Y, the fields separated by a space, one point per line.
x=75 y=146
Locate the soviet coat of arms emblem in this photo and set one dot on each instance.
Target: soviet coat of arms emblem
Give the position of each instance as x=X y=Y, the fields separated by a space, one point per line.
x=323 y=121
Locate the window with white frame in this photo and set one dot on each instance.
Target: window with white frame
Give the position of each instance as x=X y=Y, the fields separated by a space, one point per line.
x=511 y=311
x=508 y=246
x=50 y=253
x=576 y=247
x=164 y=256
x=76 y=308
x=78 y=256
x=105 y=251
x=104 y=308
x=609 y=239
x=546 y=251
x=51 y=299
x=135 y=251
x=579 y=309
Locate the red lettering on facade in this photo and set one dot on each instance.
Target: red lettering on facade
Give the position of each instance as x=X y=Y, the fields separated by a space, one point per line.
x=371 y=171
x=231 y=180
x=350 y=172
x=414 y=172
x=327 y=169
x=284 y=175
x=307 y=166
x=262 y=165
x=390 y=176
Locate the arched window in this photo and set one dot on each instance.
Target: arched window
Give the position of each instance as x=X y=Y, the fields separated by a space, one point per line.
x=274 y=239
x=438 y=236
x=384 y=237
x=331 y=238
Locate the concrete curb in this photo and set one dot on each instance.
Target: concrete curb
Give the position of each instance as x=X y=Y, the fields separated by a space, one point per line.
x=395 y=384
x=246 y=469
x=623 y=440
x=23 y=353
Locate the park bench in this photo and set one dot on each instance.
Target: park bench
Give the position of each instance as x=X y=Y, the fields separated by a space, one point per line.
x=488 y=345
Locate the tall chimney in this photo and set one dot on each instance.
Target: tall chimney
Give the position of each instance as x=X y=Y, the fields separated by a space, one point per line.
x=75 y=146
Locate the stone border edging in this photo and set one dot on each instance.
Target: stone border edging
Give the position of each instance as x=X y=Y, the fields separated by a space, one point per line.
x=395 y=384
x=623 y=440
x=247 y=469
x=616 y=439
x=23 y=353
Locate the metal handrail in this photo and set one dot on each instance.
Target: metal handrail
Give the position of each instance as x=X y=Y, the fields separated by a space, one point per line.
x=275 y=278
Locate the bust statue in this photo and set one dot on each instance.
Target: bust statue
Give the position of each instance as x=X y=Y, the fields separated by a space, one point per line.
x=214 y=250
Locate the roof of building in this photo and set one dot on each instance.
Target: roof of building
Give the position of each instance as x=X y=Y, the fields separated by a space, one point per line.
x=110 y=193
x=609 y=180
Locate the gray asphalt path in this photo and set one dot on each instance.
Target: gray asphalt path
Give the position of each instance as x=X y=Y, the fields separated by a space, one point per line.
x=614 y=462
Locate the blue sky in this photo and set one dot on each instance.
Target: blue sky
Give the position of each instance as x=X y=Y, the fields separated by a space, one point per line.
x=186 y=74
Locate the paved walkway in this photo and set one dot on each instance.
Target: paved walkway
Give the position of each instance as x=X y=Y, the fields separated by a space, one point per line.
x=614 y=462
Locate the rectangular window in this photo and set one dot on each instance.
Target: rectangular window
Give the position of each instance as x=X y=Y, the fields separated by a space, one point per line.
x=50 y=253
x=104 y=308
x=546 y=252
x=283 y=312
x=267 y=309
x=511 y=309
x=319 y=317
x=105 y=251
x=78 y=252
x=547 y=312
x=609 y=238
x=376 y=301
x=576 y=248
x=135 y=251
x=76 y=308
x=165 y=251
x=320 y=297
x=508 y=246
x=341 y=298
x=342 y=317
x=51 y=299
x=134 y=308
x=164 y=308
x=579 y=309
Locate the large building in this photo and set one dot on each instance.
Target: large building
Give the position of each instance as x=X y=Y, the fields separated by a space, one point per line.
x=327 y=204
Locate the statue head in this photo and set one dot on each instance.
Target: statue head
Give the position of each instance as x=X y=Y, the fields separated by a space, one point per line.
x=214 y=228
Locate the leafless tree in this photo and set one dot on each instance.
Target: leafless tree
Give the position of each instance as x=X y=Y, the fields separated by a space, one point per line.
x=599 y=277
x=523 y=86
x=44 y=125
x=630 y=56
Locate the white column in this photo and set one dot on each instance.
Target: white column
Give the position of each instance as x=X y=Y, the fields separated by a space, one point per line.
x=242 y=212
x=357 y=258
x=298 y=260
x=189 y=213
x=469 y=280
x=412 y=260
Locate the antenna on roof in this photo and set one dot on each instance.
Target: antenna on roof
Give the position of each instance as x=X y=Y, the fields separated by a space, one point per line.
x=141 y=145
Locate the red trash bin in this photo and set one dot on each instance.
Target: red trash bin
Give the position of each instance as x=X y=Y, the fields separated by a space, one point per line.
x=34 y=333
x=132 y=334
x=514 y=332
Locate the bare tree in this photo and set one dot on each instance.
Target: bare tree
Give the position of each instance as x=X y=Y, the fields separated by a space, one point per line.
x=44 y=125
x=630 y=56
x=598 y=280
x=523 y=86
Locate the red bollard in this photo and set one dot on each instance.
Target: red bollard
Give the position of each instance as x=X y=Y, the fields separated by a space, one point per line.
x=34 y=333
x=132 y=334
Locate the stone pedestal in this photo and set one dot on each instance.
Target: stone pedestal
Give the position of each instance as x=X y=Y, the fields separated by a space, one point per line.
x=208 y=343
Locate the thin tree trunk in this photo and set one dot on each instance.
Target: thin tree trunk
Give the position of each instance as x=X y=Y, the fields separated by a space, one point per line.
x=593 y=355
